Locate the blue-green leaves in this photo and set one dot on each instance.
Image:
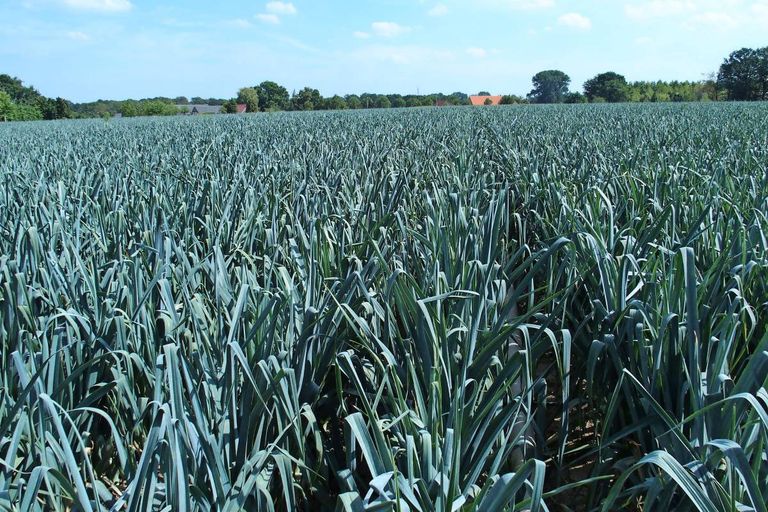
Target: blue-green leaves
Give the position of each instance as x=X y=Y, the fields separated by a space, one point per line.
x=432 y=310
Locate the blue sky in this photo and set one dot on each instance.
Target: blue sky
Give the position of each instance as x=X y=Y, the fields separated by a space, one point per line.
x=114 y=49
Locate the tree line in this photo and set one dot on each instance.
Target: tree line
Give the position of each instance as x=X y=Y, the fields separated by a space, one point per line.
x=552 y=86
x=21 y=103
x=743 y=76
x=269 y=96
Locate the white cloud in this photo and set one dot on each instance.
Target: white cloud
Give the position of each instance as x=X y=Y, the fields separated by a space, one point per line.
x=239 y=23
x=520 y=5
x=717 y=20
x=438 y=10
x=722 y=15
x=100 y=5
x=476 y=52
x=282 y=8
x=575 y=20
x=658 y=9
x=361 y=35
x=268 y=18
x=402 y=55
x=78 y=36
x=388 y=29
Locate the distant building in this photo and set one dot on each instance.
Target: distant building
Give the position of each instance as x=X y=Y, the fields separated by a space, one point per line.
x=197 y=109
x=479 y=101
x=242 y=108
x=440 y=103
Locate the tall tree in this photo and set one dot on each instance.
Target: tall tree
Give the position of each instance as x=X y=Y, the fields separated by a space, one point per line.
x=63 y=109
x=382 y=102
x=549 y=86
x=250 y=97
x=611 y=87
x=353 y=101
x=272 y=96
x=744 y=74
x=307 y=99
x=336 y=102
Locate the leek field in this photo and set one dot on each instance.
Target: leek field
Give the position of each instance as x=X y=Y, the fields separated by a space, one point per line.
x=491 y=309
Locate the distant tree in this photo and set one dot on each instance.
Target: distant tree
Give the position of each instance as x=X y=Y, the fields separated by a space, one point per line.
x=63 y=109
x=6 y=106
x=413 y=101
x=272 y=96
x=230 y=107
x=382 y=102
x=307 y=99
x=19 y=93
x=129 y=108
x=744 y=74
x=336 y=102
x=483 y=93
x=24 y=112
x=250 y=97
x=368 y=100
x=488 y=101
x=611 y=87
x=511 y=99
x=459 y=98
x=398 y=102
x=158 y=108
x=46 y=106
x=427 y=101
x=181 y=100
x=710 y=89
x=549 y=86
x=353 y=101
x=575 y=97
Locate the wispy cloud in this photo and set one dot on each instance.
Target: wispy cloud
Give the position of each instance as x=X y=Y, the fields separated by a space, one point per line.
x=281 y=8
x=300 y=45
x=275 y=10
x=99 y=5
x=477 y=52
x=239 y=23
x=658 y=9
x=402 y=55
x=438 y=10
x=721 y=15
x=715 y=19
x=388 y=29
x=272 y=19
x=76 y=35
x=575 y=20
x=518 y=5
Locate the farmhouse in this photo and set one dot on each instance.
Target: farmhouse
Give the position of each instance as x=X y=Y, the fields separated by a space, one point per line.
x=242 y=108
x=479 y=101
x=196 y=109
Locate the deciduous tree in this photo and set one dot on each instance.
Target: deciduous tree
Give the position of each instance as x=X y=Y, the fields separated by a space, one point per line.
x=611 y=87
x=549 y=86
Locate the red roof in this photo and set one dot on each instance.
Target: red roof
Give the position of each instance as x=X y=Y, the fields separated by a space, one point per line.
x=242 y=108
x=479 y=101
